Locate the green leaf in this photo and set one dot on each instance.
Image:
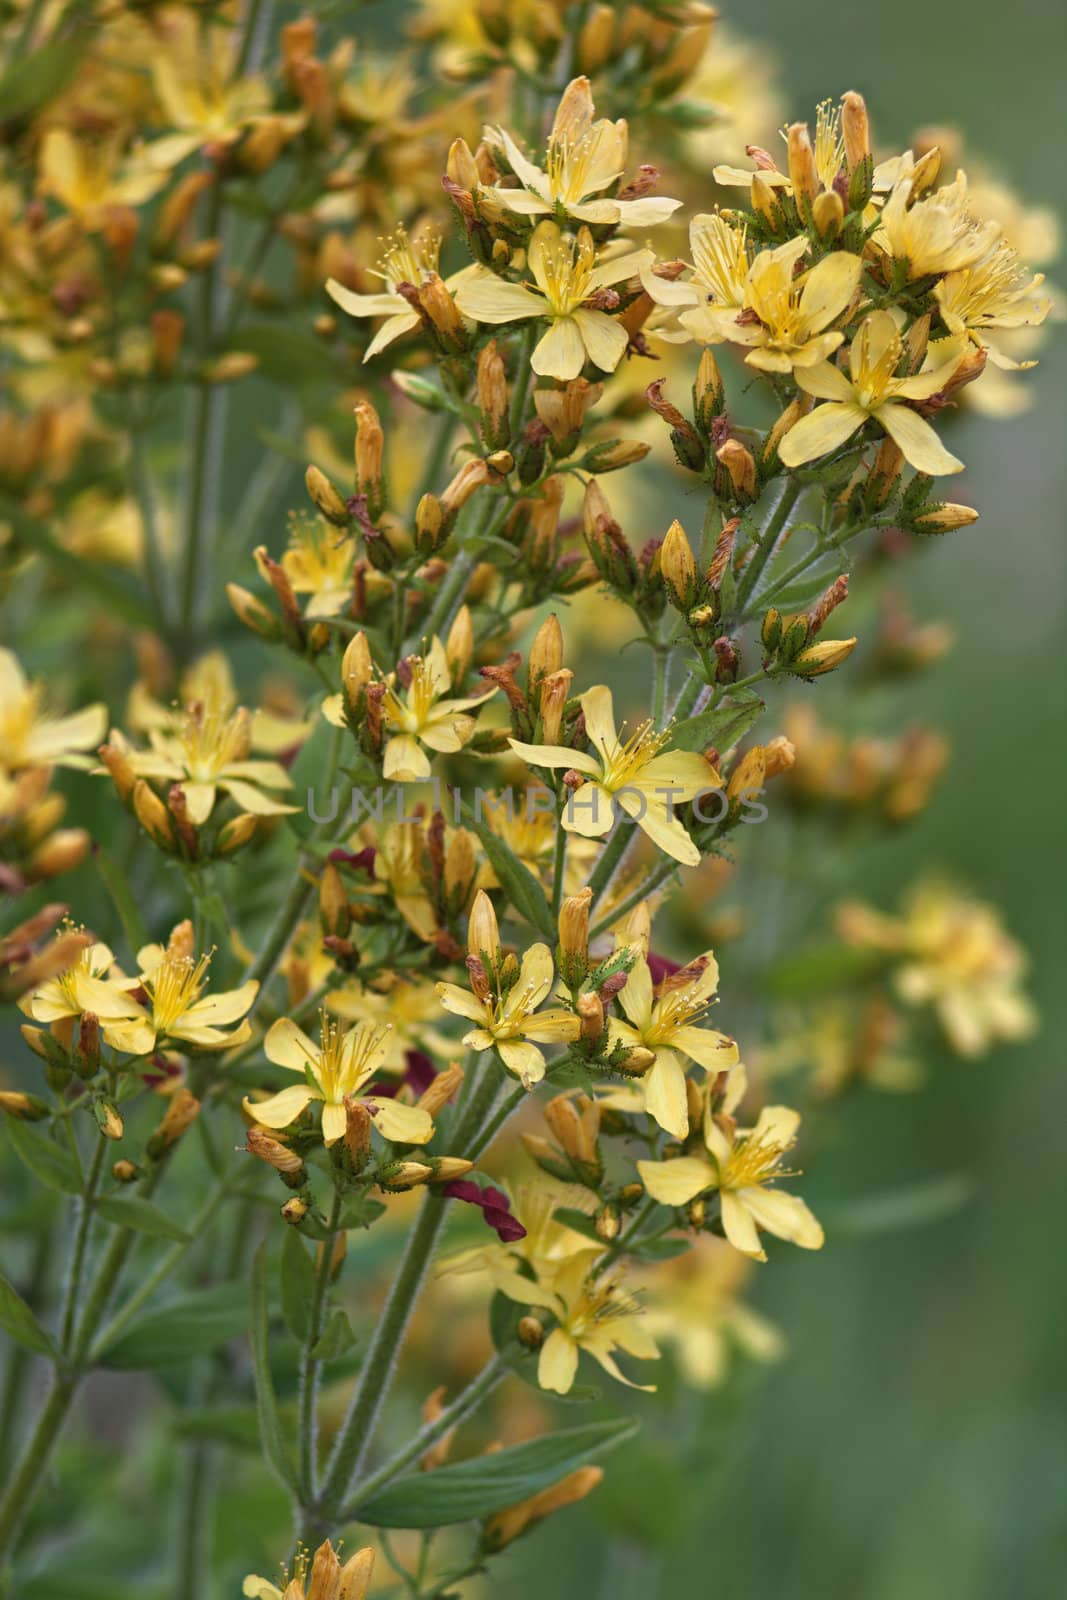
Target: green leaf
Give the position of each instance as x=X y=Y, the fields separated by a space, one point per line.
x=142 y=1215
x=188 y=1325
x=31 y=80
x=913 y=1206
x=491 y=1482
x=297 y=1283
x=18 y=1320
x=54 y=1166
x=721 y=727
x=271 y=1433
x=337 y=1340
x=359 y=1211
x=517 y=881
x=117 y=887
x=237 y=1426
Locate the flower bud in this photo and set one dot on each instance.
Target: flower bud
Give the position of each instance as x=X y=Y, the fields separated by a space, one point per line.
x=253 y=613
x=678 y=567
x=591 y=1015
x=369 y=449
x=181 y=1113
x=574 y=927
x=471 y=476
x=125 y=1171
x=108 y=1119
x=23 y=1107
x=446 y=1084
x=86 y=1057
x=615 y=454
x=823 y=656
x=708 y=392
x=335 y=913
x=787 y=419
x=459 y=646
x=441 y=312
x=504 y=1526
x=154 y=817
x=741 y=467
x=828 y=213
x=492 y=391
x=461 y=166
x=326 y=498
x=637 y=1062
x=235 y=834
x=944 y=518
x=295 y=1210
x=855 y=128
x=168 y=328
x=401 y=1175
x=230 y=368
x=430 y=530
x=555 y=689
x=803 y=174
x=120 y=771
x=531 y=1332
x=765 y=200
x=546 y=651
x=446 y=1168
x=483 y=934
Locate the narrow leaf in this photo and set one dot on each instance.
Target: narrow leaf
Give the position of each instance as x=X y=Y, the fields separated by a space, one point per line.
x=142 y=1215
x=337 y=1340
x=490 y=1482
x=722 y=727
x=271 y=1433
x=18 y=1320
x=519 y=883
x=190 y=1324
x=297 y=1285
x=55 y=1167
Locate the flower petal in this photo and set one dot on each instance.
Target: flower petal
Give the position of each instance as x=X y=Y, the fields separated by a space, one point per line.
x=816 y=435
x=922 y=448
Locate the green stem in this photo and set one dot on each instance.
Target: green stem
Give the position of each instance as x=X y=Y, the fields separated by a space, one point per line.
x=155 y=565
x=611 y=857
x=365 y=1408
x=19 y=1358
x=766 y=543
x=461 y=1407
x=629 y=1234
x=22 y=1488
x=658 y=875
x=449 y=595
x=309 y=1364
x=82 y=1230
x=660 y=656
x=559 y=866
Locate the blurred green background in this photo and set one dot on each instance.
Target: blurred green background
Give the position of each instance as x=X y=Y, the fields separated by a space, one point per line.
x=910 y=1447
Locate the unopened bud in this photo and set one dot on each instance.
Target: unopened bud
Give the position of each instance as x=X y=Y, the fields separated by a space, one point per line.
x=531 y=1332
x=108 y=1119
x=125 y=1171
x=294 y=1211
x=492 y=396
x=504 y=1526
x=945 y=518
x=430 y=530
x=574 y=926
x=828 y=213
x=591 y=1015
x=741 y=467
x=23 y=1107
x=614 y=455
x=326 y=497
x=369 y=449
x=286 y=1162
x=708 y=391
x=555 y=689
x=546 y=651
x=154 y=817
x=403 y=1175
x=446 y=1168
x=607 y=1223
x=483 y=933
x=446 y=1084
x=471 y=476
x=637 y=1062
x=181 y=1113
x=230 y=368
x=803 y=174
x=855 y=128
x=253 y=613
x=678 y=567
x=168 y=328
x=823 y=656
x=119 y=770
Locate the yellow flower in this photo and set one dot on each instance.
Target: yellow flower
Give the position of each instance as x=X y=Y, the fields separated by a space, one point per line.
x=29 y=737
x=208 y=682
x=787 y=319
x=828 y=152
x=566 y=276
x=994 y=292
x=207 y=753
x=692 y=1303
x=530 y=832
x=594 y=1313
x=872 y=390
x=665 y=1023
x=715 y=294
x=323 y=1578
x=87 y=178
x=741 y=1166
x=503 y=1006
x=417 y=714
x=202 y=98
x=957 y=959
x=88 y=985
x=584 y=158
x=406 y=260
x=175 y=1008
x=318 y=562
x=645 y=783
x=338 y=1068
x=406 y=1008
x=933 y=235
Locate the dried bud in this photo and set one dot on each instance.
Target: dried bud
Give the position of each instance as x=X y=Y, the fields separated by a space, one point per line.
x=286 y=1162
x=748 y=774
x=574 y=927
x=358 y=1124
x=86 y=1057
x=335 y=913
x=326 y=498
x=591 y=1014
x=168 y=328
x=778 y=756
x=720 y=560
x=471 y=476
x=828 y=602
x=555 y=689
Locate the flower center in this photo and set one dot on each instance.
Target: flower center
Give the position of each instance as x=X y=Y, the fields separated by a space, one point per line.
x=174 y=987
x=212 y=742
x=753 y=1162
x=407 y=260
x=627 y=760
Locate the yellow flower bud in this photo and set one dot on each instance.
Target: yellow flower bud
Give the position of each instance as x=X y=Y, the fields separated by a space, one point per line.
x=483 y=933
x=945 y=519
x=504 y=1526
x=441 y=1090
x=823 y=656
x=492 y=391
x=555 y=688
x=252 y=612
x=748 y=774
x=154 y=817
x=461 y=166
x=23 y=1107
x=369 y=449
x=574 y=925
x=828 y=213
x=546 y=651
x=446 y=1168
x=855 y=128
x=181 y=1113
x=707 y=390
x=596 y=39
x=741 y=467
x=678 y=567
x=459 y=646
x=236 y=833
x=430 y=530
x=326 y=497
x=803 y=174
x=357 y=668
x=471 y=476
x=230 y=368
